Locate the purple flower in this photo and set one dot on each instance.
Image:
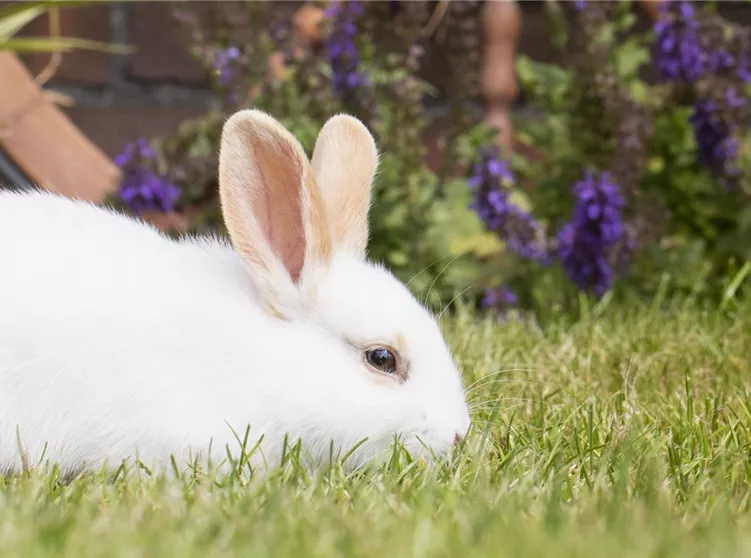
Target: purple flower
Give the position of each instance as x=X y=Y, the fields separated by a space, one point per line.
x=502 y=297
x=138 y=151
x=744 y=68
x=579 y=5
x=500 y=301
x=717 y=146
x=723 y=62
x=490 y=182
x=340 y=47
x=720 y=60
x=679 y=53
x=584 y=245
x=681 y=58
x=141 y=189
x=223 y=59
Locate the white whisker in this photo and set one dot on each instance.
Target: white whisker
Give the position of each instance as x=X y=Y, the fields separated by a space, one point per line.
x=499 y=372
x=424 y=269
x=452 y=300
x=435 y=279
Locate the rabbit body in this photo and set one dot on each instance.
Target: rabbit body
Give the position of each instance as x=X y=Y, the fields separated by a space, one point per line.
x=113 y=337
x=117 y=342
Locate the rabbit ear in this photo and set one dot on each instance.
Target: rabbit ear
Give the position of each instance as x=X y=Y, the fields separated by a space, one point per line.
x=271 y=205
x=345 y=160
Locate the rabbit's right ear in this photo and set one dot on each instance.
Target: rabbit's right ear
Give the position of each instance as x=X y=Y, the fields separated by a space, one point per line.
x=271 y=205
x=345 y=160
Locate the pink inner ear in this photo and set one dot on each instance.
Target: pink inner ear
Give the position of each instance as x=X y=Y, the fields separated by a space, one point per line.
x=279 y=204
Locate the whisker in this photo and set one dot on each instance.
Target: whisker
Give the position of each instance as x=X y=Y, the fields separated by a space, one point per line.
x=499 y=372
x=500 y=408
x=487 y=401
x=505 y=380
x=424 y=269
x=487 y=387
x=452 y=300
x=508 y=399
x=518 y=368
x=439 y=275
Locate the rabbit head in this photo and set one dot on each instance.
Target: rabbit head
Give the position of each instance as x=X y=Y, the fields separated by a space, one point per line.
x=301 y=227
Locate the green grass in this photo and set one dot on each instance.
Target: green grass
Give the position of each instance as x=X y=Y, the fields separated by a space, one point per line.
x=627 y=434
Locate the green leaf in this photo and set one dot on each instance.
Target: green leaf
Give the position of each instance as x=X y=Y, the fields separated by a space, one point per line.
x=525 y=71
x=640 y=92
x=557 y=24
x=629 y=57
x=13 y=23
x=625 y=17
x=605 y=35
x=6 y=11
x=481 y=244
x=398 y=258
x=63 y=44
x=201 y=147
x=520 y=199
x=656 y=164
x=744 y=219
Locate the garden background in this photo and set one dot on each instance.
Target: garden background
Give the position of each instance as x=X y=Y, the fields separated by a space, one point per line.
x=613 y=418
x=620 y=166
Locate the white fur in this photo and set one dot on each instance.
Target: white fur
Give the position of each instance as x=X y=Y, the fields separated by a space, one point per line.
x=117 y=342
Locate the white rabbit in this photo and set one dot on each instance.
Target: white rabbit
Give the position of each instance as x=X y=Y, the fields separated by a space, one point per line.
x=117 y=342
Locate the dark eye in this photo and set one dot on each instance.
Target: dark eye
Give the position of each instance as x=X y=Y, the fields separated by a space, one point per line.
x=382 y=359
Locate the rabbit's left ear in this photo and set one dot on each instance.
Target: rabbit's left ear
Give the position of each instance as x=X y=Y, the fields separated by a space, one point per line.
x=274 y=212
x=345 y=160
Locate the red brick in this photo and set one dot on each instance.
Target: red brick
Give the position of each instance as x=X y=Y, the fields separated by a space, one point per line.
x=78 y=66
x=534 y=37
x=162 y=46
x=112 y=127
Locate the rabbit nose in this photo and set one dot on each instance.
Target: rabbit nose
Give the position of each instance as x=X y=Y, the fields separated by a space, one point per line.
x=458 y=439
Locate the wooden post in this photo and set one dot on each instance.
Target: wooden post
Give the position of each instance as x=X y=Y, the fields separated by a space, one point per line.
x=44 y=143
x=501 y=26
x=307 y=23
x=306 y=34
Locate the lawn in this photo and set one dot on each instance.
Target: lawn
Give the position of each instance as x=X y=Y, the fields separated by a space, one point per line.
x=625 y=434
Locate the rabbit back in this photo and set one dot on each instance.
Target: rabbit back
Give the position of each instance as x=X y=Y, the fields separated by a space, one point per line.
x=111 y=334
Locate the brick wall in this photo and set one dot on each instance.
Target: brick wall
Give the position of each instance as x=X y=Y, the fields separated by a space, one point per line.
x=120 y=97
x=149 y=92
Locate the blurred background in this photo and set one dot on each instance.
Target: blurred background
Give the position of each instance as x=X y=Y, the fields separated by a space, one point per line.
x=538 y=157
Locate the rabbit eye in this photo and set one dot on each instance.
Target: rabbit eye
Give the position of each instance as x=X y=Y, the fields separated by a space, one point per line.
x=382 y=360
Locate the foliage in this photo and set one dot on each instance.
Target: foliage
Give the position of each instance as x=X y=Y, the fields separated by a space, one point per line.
x=673 y=149
x=625 y=434
x=419 y=222
x=624 y=185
